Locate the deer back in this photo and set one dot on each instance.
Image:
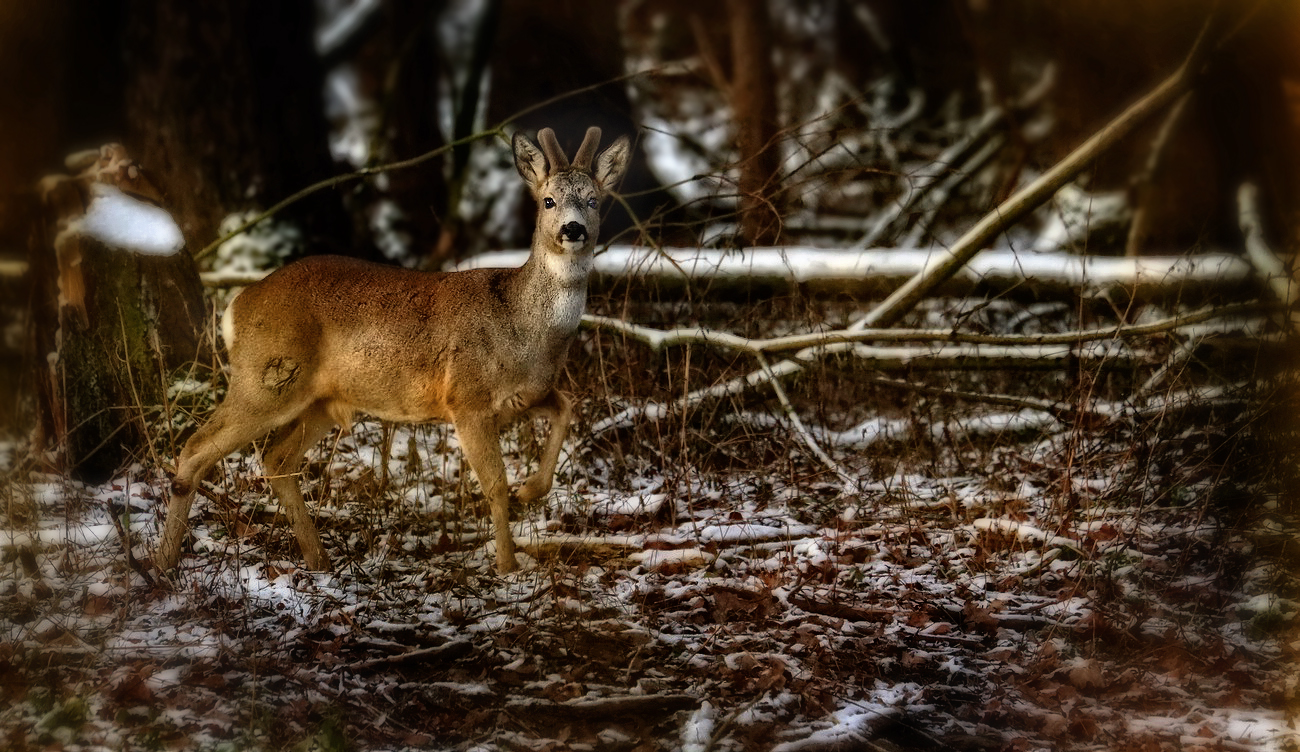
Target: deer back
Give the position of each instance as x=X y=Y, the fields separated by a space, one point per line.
x=407 y=345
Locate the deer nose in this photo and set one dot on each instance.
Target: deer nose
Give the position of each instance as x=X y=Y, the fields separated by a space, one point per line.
x=573 y=231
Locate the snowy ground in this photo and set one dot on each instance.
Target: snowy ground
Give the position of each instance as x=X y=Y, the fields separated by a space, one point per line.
x=1070 y=588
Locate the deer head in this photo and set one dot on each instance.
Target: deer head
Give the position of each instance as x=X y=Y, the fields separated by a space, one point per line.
x=568 y=194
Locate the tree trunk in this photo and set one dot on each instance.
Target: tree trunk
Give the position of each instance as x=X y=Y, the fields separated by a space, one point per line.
x=224 y=104
x=398 y=66
x=110 y=325
x=546 y=50
x=753 y=101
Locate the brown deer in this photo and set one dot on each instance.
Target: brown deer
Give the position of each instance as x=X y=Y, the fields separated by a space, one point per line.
x=327 y=337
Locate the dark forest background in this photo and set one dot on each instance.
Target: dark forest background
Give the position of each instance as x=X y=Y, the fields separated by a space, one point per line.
x=755 y=123
x=225 y=103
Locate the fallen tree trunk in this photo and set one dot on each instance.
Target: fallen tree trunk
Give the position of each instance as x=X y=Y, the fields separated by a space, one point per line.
x=828 y=270
x=872 y=272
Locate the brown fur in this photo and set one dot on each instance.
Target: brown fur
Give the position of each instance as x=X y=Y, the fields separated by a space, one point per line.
x=325 y=338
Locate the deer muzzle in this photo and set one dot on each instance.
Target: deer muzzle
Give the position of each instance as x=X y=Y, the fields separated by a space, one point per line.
x=573 y=232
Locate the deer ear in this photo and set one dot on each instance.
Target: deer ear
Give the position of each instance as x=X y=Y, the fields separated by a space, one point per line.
x=612 y=163
x=529 y=160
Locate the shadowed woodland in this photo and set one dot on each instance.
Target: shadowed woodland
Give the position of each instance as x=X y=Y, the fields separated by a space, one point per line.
x=936 y=388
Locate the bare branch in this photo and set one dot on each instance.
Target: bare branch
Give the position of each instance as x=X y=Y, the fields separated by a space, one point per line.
x=1031 y=196
x=658 y=339
x=1269 y=266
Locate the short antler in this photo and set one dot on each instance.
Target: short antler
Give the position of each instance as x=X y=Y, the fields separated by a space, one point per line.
x=551 y=148
x=588 y=149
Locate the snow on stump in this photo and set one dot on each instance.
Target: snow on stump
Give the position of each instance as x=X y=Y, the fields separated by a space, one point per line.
x=117 y=305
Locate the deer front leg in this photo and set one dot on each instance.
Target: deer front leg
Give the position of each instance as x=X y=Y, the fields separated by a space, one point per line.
x=482 y=447
x=557 y=409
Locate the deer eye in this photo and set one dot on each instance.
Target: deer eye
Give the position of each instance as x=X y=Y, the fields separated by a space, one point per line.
x=548 y=202
x=591 y=203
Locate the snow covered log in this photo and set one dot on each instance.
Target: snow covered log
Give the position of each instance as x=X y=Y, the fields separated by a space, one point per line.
x=878 y=271
x=119 y=304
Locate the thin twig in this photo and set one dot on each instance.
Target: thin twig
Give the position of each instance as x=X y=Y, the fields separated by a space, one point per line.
x=1061 y=411
x=939 y=196
x=845 y=479
x=446 y=651
x=918 y=188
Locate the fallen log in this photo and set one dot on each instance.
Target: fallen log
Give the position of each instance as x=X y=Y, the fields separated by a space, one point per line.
x=828 y=271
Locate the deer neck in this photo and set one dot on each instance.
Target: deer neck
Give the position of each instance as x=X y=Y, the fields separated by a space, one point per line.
x=555 y=286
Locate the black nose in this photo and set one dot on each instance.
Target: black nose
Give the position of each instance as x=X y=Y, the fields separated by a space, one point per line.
x=573 y=231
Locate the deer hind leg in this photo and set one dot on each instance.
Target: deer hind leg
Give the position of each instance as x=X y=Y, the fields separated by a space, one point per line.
x=283 y=458
x=557 y=409
x=482 y=447
x=235 y=423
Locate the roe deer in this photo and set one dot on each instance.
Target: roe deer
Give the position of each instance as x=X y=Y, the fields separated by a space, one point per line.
x=327 y=337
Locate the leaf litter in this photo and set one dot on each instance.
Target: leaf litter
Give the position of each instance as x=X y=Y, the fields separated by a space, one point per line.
x=1024 y=603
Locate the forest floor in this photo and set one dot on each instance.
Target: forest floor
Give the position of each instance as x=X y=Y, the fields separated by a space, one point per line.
x=695 y=582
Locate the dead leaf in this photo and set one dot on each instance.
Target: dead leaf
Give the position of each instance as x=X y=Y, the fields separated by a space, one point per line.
x=1054 y=726
x=733 y=604
x=1086 y=673
x=771 y=677
x=96 y=605
x=979 y=617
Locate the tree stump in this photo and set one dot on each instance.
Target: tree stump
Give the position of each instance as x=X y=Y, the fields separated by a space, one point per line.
x=117 y=305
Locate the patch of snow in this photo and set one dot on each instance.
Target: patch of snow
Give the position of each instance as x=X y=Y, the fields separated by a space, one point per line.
x=355 y=118
x=386 y=227
x=340 y=22
x=265 y=245
x=688 y=557
x=853 y=725
x=745 y=531
x=122 y=221
x=697 y=732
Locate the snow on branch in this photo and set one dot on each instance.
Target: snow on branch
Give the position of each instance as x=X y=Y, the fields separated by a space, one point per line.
x=659 y=339
x=1271 y=268
x=1029 y=419
x=956 y=350
x=881 y=269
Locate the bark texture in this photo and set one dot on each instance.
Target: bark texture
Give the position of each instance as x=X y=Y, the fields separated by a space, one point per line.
x=224 y=105
x=110 y=326
x=753 y=100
